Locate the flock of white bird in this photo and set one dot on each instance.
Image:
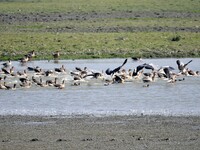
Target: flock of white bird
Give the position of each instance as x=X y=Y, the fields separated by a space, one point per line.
x=11 y=79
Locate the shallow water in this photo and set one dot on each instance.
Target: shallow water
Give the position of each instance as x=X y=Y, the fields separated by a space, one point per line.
x=93 y=98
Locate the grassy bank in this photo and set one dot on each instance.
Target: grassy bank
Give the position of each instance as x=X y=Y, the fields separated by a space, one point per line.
x=99 y=29
x=101 y=45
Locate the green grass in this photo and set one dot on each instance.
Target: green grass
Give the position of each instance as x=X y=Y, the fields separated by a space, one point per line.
x=101 y=45
x=17 y=38
x=103 y=23
x=35 y=6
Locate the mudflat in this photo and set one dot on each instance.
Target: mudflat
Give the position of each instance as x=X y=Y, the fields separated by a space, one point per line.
x=109 y=132
x=96 y=16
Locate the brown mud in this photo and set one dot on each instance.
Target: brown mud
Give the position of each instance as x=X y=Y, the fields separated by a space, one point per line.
x=110 y=133
x=53 y=17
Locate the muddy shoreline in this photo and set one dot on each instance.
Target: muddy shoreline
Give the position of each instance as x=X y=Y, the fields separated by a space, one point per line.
x=48 y=17
x=89 y=132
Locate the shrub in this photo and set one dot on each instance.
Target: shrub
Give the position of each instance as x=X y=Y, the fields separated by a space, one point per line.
x=176 y=38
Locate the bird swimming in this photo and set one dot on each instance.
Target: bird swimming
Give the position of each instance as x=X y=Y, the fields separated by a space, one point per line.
x=29 y=77
x=149 y=78
x=7 y=64
x=136 y=58
x=95 y=75
x=61 y=69
x=61 y=85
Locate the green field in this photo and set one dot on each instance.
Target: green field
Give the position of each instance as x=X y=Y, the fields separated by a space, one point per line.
x=101 y=45
x=27 y=6
x=143 y=35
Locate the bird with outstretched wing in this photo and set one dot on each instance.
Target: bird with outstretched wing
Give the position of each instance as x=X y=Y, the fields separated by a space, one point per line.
x=111 y=72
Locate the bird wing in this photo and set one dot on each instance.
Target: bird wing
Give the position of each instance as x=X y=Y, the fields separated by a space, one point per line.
x=93 y=74
x=57 y=69
x=88 y=75
x=148 y=66
x=108 y=71
x=5 y=71
x=4 y=64
x=187 y=63
x=30 y=68
x=140 y=67
x=167 y=72
x=118 y=68
x=79 y=69
x=125 y=61
x=171 y=68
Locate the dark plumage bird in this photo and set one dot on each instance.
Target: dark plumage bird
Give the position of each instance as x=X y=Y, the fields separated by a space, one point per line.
x=51 y=82
x=118 y=79
x=5 y=71
x=167 y=73
x=111 y=72
x=56 y=54
x=36 y=69
x=61 y=69
x=10 y=87
x=95 y=75
x=146 y=66
x=137 y=71
x=78 y=69
x=146 y=73
x=77 y=78
x=41 y=84
x=34 y=80
x=48 y=73
x=30 y=68
x=24 y=80
x=81 y=72
x=169 y=67
x=149 y=78
x=61 y=85
x=3 y=78
x=161 y=73
x=25 y=85
x=171 y=76
x=30 y=55
x=8 y=71
x=24 y=59
x=7 y=64
x=24 y=73
x=182 y=66
x=136 y=58
x=193 y=73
